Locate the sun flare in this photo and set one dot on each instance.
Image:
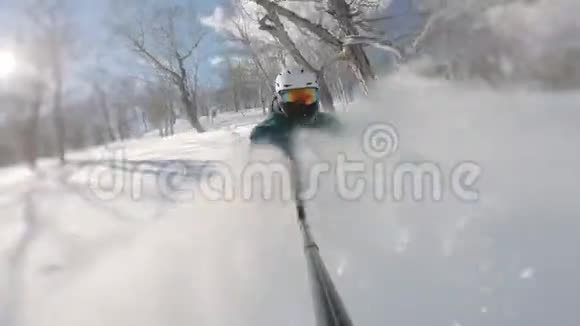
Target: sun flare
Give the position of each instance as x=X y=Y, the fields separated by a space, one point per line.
x=7 y=63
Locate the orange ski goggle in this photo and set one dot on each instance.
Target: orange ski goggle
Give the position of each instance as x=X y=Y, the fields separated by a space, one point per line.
x=306 y=96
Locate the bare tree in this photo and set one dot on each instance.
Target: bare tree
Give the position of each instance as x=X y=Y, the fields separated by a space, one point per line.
x=102 y=103
x=243 y=36
x=31 y=136
x=21 y=107
x=158 y=104
x=158 y=39
x=348 y=42
x=51 y=19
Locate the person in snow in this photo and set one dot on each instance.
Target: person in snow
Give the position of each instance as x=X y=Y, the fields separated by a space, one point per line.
x=296 y=105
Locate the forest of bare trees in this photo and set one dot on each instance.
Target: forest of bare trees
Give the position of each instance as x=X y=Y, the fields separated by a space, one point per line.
x=161 y=62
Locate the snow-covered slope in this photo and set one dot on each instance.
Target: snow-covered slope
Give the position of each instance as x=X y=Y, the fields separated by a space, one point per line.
x=159 y=251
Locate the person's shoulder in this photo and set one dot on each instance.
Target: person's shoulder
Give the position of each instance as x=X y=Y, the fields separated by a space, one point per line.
x=272 y=124
x=271 y=121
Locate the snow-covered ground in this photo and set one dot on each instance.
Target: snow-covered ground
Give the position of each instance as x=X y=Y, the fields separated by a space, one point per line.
x=158 y=251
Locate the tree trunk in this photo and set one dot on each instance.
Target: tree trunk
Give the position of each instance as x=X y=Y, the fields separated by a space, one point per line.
x=262 y=100
x=144 y=121
x=59 y=123
x=360 y=65
x=166 y=125
x=326 y=96
x=122 y=124
x=186 y=95
x=342 y=13
x=172 y=120
x=31 y=146
x=236 y=98
x=343 y=94
x=104 y=105
x=190 y=107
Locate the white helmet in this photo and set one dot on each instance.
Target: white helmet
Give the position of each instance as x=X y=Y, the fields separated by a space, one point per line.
x=291 y=79
x=295 y=78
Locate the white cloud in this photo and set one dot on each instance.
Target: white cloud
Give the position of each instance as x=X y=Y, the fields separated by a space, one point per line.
x=214 y=61
x=217 y=20
x=246 y=16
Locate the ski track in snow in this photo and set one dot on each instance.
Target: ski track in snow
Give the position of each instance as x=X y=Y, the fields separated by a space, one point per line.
x=507 y=259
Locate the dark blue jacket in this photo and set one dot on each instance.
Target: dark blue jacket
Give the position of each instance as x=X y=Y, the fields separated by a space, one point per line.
x=277 y=129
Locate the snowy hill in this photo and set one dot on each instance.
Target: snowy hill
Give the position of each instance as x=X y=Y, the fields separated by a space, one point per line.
x=75 y=249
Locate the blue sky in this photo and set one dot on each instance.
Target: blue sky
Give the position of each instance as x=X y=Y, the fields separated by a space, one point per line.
x=104 y=50
x=94 y=12
x=90 y=18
